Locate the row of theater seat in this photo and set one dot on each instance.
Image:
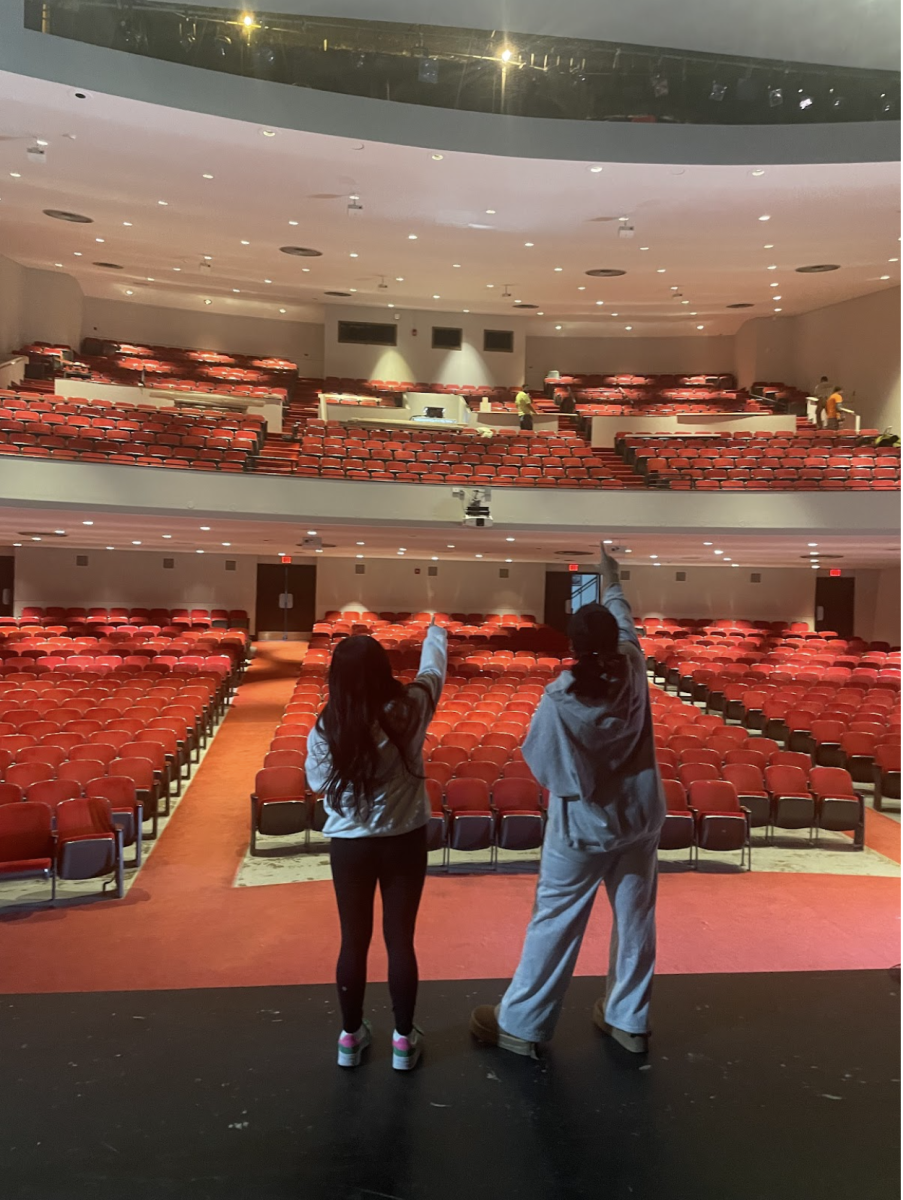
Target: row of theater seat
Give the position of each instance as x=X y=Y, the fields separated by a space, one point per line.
x=140 y=618
x=754 y=462
x=91 y=760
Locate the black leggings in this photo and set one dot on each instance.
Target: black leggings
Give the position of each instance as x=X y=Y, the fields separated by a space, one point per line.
x=398 y=865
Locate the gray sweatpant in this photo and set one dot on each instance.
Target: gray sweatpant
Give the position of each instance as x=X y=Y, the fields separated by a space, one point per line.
x=565 y=892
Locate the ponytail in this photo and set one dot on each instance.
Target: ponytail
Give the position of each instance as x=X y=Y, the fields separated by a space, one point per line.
x=596 y=674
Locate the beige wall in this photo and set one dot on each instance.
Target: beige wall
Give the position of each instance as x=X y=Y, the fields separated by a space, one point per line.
x=413 y=358
x=133 y=578
x=856 y=344
x=51 y=308
x=11 y=276
x=146 y=323
x=406 y=586
x=613 y=355
x=878 y=605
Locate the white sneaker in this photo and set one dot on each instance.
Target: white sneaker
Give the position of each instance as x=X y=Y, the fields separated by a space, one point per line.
x=406 y=1050
x=352 y=1046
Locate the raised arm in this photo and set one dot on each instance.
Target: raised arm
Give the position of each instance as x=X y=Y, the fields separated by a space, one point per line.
x=434 y=660
x=614 y=600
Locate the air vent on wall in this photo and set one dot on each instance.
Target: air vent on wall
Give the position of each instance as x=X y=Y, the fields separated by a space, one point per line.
x=109 y=266
x=521 y=305
x=40 y=533
x=571 y=554
x=605 y=272
x=301 y=251
x=818 y=269
x=60 y=214
x=230 y=564
x=680 y=576
x=503 y=572
x=81 y=560
x=625 y=574
x=336 y=293
x=432 y=571
x=168 y=564
x=756 y=577
x=744 y=305
x=359 y=569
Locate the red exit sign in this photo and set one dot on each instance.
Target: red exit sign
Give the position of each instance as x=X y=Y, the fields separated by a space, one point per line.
x=573 y=566
x=285 y=558
x=835 y=572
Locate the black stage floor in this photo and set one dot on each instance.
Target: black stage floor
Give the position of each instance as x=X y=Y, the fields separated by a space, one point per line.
x=759 y=1087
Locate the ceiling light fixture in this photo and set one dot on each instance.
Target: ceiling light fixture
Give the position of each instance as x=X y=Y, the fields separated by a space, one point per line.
x=765 y=217
x=167 y=536
x=282 y=310
x=206 y=176
x=644 y=247
x=719 y=551
x=163 y=203
x=225 y=543
x=529 y=245
x=127 y=224
x=437 y=157
x=268 y=132
x=661 y=270
x=208 y=301
x=884 y=277
x=559 y=268
x=136 y=543
x=87 y=522
x=758 y=171
x=595 y=170
x=412 y=237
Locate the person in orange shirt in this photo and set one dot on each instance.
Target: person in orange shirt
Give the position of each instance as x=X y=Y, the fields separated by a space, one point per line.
x=832 y=408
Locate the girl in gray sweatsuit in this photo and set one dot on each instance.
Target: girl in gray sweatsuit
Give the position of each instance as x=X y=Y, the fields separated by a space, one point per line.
x=591 y=744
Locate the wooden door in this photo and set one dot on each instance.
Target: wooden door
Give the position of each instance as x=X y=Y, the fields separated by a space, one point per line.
x=286 y=597
x=835 y=601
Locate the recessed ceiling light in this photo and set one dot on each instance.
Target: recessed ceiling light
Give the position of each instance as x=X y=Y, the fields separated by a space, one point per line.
x=150 y=279
x=237 y=291
x=208 y=258
x=600 y=302
x=644 y=247
x=661 y=270
x=595 y=170
x=559 y=268
x=693 y=314
x=776 y=297
x=282 y=310
x=318 y=551
x=478 y=556
x=768 y=246
x=244 y=242
x=509 y=539
x=814 y=566
x=306 y=270
x=311 y=533
x=353 y=255
x=757 y=172
x=77 y=253
x=456 y=264
x=268 y=132
x=35 y=539
x=208 y=301
x=15 y=175
x=581 y=288
x=727 y=559
x=772 y=267
x=127 y=224
x=490 y=212
x=529 y=245
x=627 y=550
x=199 y=551
x=557 y=326
x=136 y=543
x=293 y=222
x=166 y=535
x=614 y=314
x=57 y=264
x=358 y=556
x=540 y=314
x=674 y=287
x=774 y=285
x=111 y=547
x=628 y=328
x=449 y=546
x=893 y=260
x=437 y=157
x=163 y=203
x=700 y=326
x=41 y=142
x=412 y=237
x=204 y=528
x=656 y=564
x=719 y=551
x=87 y=522
x=129 y=292
x=390 y=306
x=206 y=176
x=653 y=556
x=225 y=543
x=399 y=278
x=779 y=310
x=884 y=277
x=765 y=217
x=685 y=301
x=466 y=310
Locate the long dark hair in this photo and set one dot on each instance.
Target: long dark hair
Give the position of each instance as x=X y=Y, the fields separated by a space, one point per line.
x=364 y=697
x=600 y=666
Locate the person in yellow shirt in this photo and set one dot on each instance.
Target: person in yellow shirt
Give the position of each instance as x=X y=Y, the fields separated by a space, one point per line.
x=832 y=408
x=525 y=409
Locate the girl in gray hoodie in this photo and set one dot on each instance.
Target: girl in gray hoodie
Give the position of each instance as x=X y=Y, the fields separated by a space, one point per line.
x=591 y=745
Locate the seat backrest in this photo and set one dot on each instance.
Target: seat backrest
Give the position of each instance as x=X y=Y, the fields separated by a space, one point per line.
x=139 y=770
x=25 y=774
x=25 y=832
x=283 y=758
x=275 y=783
x=53 y=791
x=752 y=758
x=791 y=758
x=514 y=793
x=81 y=772
x=117 y=789
x=744 y=777
x=465 y=794
x=10 y=793
x=434 y=794
x=786 y=781
x=88 y=816
x=831 y=781
x=478 y=769
x=710 y=757
x=888 y=757
x=675 y=795
x=693 y=772
x=714 y=795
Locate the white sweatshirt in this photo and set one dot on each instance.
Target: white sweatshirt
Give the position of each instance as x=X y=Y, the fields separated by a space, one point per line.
x=401 y=803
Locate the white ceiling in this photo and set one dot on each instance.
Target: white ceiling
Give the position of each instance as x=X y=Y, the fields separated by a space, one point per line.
x=113 y=159
x=267 y=538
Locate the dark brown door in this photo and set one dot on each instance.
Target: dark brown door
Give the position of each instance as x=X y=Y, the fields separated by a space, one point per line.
x=558 y=599
x=834 y=604
x=286 y=597
x=7 y=584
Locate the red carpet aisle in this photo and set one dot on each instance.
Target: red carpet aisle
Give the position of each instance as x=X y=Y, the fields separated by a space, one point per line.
x=184 y=925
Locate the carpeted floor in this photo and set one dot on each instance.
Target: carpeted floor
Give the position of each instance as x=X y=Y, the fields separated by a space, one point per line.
x=184 y=924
